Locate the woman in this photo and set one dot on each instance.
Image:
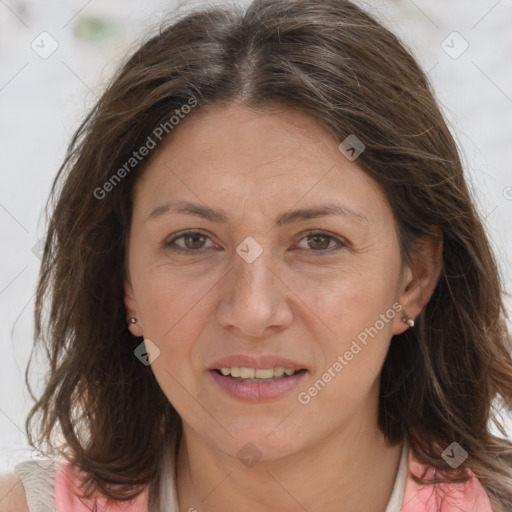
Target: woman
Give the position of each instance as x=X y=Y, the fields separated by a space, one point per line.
x=268 y=285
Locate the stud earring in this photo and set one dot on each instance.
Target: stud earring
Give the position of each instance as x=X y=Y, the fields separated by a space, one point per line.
x=407 y=320
x=132 y=320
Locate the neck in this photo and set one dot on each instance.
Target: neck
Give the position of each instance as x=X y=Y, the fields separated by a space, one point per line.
x=340 y=470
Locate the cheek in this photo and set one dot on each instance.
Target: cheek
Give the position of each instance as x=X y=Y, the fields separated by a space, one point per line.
x=347 y=301
x=172 y=313
x=174 y=307
x=170 y=301
x=356 y=311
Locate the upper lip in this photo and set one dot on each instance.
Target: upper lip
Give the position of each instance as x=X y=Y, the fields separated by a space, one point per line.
x=257 y=362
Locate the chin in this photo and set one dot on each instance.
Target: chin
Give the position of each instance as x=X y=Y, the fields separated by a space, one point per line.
x=260 y=438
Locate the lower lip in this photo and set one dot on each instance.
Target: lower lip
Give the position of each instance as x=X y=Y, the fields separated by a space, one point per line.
x=257 y=391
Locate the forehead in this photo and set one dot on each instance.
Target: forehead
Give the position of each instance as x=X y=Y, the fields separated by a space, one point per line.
x=239 y=157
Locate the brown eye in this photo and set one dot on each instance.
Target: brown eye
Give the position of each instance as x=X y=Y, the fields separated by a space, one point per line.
x=319 y=242
x=194 y=240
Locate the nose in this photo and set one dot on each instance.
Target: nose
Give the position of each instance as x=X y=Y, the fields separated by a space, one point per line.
x=256 y=301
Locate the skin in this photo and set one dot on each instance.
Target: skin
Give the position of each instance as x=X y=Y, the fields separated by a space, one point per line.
x=12 y=494
x=289 y=302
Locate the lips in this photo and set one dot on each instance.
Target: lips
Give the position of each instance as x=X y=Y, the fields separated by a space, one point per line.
x=255 y=379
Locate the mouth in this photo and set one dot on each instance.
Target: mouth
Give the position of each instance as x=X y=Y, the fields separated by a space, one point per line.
x=255 y=379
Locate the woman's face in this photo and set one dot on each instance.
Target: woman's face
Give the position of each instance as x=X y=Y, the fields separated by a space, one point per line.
x=255 y=244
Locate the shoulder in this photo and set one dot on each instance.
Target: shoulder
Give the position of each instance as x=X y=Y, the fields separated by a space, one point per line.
x=12 y=494
x=34 y=480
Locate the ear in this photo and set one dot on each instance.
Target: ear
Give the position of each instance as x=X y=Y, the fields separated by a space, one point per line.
x=132 y=310
x=420 y=277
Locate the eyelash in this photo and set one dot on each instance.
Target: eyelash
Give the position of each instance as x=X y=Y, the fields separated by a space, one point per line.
x=341 y=243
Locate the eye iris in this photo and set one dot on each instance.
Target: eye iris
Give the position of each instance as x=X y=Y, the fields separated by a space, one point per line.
x=197 y=241
x=317 y=239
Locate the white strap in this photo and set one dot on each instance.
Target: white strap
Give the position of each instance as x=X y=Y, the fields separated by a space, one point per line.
x=397 y=496
x=39 y=483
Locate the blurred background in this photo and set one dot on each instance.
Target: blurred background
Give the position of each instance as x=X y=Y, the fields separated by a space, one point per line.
x=57 y=56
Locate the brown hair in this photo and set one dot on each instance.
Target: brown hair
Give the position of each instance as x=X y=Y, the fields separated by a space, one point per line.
x=329 y=59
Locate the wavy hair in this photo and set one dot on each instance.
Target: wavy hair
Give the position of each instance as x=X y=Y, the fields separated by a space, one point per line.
x=440 y=382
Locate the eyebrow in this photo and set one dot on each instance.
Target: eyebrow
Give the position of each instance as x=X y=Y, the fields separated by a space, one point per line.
x=220 y=216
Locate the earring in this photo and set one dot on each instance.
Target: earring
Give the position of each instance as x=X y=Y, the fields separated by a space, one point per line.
x=132 y=320
x=407 y=320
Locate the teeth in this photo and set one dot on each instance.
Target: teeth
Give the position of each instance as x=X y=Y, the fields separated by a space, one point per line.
x=247 y=373
x=266 y=373
x=278 y=372
x=260 y=373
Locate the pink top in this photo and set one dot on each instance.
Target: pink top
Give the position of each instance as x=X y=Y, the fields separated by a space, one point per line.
x=468 y=497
